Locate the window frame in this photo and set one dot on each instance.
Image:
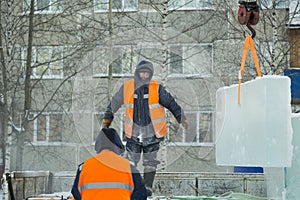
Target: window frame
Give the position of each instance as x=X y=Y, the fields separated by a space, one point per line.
x=123 y=9
x=184 y=6
x=185 y=61
x=49 y=74
x=198 y=132
x=121 y=54
x=41 y=10
x=34 y=134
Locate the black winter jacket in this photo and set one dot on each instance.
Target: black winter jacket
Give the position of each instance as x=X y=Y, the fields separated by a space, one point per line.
x=141 y=108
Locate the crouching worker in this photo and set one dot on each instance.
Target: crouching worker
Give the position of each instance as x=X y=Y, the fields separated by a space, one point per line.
x=107 y=175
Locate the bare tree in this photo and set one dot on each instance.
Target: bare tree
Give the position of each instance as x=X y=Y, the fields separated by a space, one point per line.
x=26 y=28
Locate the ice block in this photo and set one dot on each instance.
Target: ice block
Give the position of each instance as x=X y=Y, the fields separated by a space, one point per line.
x=292 y=173
x=256 y=132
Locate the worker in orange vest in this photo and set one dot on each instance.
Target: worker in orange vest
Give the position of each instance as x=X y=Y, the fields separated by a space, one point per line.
x=107 y=175
x=145 y=123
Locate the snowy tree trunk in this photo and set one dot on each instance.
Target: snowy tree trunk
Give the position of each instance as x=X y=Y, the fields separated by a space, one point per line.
x=6 y=62
x=109 y=88
x=163 y=150
x=8 y=136
x=274 y=39
x=164 y=43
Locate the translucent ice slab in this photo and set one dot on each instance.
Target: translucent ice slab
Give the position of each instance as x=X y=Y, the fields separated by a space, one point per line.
x=292 y=173
x=257 y=132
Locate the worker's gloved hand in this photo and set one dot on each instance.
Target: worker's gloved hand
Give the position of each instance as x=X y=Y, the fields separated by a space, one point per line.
x=185 y=124
x=106 y=123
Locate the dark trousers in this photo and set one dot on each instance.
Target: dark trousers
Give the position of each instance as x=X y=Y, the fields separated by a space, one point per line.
x=135 y=149
x=149 y=149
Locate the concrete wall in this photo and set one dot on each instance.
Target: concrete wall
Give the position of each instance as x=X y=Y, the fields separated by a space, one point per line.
x=209 y=184
x=166 y=184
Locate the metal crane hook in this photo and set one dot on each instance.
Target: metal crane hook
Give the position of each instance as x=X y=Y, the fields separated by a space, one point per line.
x=248 y=14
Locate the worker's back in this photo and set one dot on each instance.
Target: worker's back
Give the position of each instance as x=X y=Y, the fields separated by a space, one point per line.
x=106 y=176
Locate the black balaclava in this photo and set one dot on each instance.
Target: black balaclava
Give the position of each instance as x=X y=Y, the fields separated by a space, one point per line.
x=143 y=66
x=109 y=139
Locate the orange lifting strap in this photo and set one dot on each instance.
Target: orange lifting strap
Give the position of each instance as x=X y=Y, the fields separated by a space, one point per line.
x=248 y=41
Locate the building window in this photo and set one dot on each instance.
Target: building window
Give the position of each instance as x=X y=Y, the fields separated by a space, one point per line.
x=46 y=62
x=294 y=48
x=124 y=60
x=190 y=4
x=117 y=5
x=278 y=3
x=200 y=132
x=44 y=6
x=195 y=60
x=47 y=127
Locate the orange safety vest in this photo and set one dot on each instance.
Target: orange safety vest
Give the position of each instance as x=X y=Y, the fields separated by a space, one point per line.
x=157 y=111
x=106 y=176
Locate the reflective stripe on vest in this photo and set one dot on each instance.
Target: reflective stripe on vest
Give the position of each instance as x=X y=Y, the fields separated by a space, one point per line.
x=157 y=111
x=105 y=185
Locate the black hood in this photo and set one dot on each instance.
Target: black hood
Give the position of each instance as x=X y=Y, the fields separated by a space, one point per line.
x=109 y=139
x=143 y=66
